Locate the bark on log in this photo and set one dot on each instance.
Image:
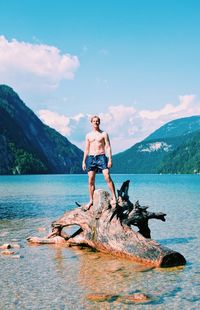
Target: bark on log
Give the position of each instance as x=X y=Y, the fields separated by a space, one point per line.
x=109 y=230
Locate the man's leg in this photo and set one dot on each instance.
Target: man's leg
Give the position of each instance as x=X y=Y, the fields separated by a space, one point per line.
x=110 y=183
x=91 y=186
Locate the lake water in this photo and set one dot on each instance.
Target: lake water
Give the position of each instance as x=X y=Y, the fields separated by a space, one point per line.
x=54 y=277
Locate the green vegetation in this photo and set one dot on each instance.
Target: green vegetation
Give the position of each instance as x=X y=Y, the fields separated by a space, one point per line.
x=184 y=159
x=141 y=158
x=25 y=163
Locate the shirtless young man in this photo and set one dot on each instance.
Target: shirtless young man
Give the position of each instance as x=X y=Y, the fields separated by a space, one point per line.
x=95 y=160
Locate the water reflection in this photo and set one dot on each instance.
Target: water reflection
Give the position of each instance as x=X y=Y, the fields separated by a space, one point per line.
x=99 y=272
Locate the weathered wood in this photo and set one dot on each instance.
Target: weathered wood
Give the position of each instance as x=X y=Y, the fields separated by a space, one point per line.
x=109 y=230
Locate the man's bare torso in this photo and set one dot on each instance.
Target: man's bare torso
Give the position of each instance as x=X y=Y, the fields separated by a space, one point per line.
x=96 y=142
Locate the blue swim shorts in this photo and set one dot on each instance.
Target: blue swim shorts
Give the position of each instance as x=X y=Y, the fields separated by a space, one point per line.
x=96 y=163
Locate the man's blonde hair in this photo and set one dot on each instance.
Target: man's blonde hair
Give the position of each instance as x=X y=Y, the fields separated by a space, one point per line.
x=95 y=116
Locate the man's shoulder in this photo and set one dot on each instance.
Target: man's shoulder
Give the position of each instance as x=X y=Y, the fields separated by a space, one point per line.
x=89 y=134
x=104 y=133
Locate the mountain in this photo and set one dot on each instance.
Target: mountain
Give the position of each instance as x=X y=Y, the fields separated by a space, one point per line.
x=147 y=156
x=27 y=146
x=176 y=128
x=184 y=159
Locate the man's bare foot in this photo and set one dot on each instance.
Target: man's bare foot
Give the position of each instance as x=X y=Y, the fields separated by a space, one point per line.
x=87 y=206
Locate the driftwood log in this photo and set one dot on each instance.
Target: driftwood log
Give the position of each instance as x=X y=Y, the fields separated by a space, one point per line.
x=108 y=229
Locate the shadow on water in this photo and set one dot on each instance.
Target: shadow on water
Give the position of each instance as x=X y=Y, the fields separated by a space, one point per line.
x=172 y=241
x=160 y=299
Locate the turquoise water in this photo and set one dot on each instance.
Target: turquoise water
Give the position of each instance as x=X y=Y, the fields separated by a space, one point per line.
x=54 y=277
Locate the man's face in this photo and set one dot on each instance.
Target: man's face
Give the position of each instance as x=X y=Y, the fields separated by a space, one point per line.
x=95 y=122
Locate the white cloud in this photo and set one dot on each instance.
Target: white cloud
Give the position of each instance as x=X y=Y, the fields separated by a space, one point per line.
x=170 y=109
x=125 y=125
x=118 y=119
x=151 y=120
x=34 y=66
x=74 y=127
x=56 y=121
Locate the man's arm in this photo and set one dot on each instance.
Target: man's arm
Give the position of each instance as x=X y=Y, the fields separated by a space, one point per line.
x=86 y=152
x=108 y=149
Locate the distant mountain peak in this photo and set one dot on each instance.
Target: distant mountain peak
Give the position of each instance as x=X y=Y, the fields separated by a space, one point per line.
x=6 y=90
x=6 y=87
x=178 y=127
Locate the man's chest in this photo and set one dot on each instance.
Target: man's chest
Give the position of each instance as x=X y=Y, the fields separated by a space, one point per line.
x=96 y=138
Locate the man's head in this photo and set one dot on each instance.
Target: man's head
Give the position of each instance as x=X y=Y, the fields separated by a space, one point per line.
x=95 y=119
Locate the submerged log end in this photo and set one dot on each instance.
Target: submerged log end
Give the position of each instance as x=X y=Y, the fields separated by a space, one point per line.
x=172 y=259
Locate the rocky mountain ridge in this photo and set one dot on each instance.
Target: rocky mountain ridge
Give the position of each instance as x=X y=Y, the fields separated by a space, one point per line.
x=29 y=146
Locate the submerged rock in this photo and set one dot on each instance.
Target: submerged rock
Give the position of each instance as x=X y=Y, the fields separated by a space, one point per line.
x=3 y=233
x=5 y=246
x=7 y=252
x=134 y=298
x=100 y=297
x=16 y=256
x=127 y=299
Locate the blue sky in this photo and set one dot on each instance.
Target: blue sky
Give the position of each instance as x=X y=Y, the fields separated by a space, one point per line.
x=133 y=62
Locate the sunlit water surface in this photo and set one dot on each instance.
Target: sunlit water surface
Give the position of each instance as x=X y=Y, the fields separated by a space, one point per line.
x=54 y=277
